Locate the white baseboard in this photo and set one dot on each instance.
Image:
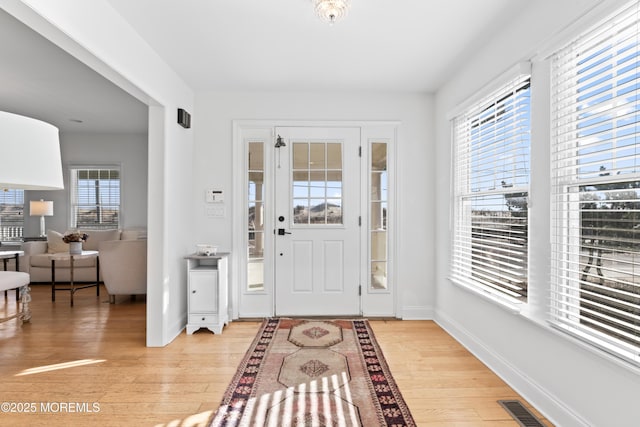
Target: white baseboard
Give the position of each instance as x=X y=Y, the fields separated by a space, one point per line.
x=543 y=400
x=254 y=315
x=416 y=313
x=176 y=329
x=407 y=313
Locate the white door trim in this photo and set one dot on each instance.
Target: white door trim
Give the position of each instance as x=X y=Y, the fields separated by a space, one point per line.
x=262 y=304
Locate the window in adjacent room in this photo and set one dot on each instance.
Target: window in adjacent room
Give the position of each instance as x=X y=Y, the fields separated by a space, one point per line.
x=95 y=197
x=596 y=186
x=11 y=215
x=491 y=187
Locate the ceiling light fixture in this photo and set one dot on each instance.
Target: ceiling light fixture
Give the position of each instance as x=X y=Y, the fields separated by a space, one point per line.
x=331 y=10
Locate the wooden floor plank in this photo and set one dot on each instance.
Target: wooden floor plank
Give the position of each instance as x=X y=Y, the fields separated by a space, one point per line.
x=95 y=352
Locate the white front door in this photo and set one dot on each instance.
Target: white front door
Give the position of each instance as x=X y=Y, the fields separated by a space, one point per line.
x=317 y=216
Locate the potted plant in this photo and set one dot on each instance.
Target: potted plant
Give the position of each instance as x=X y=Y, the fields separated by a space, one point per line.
x=75 y=240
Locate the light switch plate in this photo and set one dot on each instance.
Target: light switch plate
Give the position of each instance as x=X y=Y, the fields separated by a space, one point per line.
x=213 y=195
x=215 y=211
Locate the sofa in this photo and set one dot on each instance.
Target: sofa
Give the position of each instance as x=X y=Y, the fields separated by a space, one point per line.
x=123 y=264
x=37 y=263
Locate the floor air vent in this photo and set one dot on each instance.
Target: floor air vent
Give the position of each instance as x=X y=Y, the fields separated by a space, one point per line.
x=522 y=415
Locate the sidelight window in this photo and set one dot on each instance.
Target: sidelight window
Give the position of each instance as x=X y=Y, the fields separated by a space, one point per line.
x=255 y=199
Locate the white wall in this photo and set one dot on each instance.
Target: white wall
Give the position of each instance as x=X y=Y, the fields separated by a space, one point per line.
x=570 y=383
x=127 y=150
x=213 y=168
x=95 y=34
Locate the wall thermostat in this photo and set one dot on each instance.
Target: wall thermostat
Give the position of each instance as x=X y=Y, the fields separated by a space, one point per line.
x=213 y=195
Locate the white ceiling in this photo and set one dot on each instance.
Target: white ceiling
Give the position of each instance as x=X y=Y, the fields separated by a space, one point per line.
x=251 y=45
x=258 y=45
x=40 y=80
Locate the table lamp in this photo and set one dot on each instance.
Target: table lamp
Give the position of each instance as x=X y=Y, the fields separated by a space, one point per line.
x=41 y=208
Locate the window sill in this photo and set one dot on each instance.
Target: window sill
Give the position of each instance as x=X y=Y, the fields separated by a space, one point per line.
x=508 y=305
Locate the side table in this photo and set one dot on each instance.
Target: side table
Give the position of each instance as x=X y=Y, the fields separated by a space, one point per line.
x=72 y=287
x=207 y=301
x=6 y=256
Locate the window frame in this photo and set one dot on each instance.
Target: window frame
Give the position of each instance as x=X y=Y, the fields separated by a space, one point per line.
x=577 y=179
x=508 y=86
x=17 y=194
x=256 y=262
x=73 y=194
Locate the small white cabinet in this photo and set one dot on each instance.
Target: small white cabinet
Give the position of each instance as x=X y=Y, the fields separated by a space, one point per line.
x=207 y=302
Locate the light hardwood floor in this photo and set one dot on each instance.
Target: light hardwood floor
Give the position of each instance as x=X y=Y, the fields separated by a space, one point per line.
x=92 y=358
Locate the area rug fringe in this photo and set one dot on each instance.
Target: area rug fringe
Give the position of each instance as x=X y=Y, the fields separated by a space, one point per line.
x=313 y=372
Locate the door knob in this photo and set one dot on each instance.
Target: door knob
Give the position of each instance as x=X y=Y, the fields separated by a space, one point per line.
x=282 y=232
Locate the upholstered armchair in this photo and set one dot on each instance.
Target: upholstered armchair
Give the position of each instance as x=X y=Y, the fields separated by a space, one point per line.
x=123 y=264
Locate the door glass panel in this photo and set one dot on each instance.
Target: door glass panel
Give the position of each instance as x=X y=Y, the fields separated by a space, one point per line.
x=317 y=189
x=316 y=155
x=300 y=156
x=301 y=184
x=317 y=211
x=255 y=195
x=379 y=275
x=334 y=179
x=317 y=177
x=317 y=186
x=378 y=221
x=377 y=216
x=334 y=211
x=334 y=156
x=301 y=211
x=334 y=184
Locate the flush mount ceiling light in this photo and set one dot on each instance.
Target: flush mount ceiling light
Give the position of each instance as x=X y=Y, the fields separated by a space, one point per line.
x=331 y=10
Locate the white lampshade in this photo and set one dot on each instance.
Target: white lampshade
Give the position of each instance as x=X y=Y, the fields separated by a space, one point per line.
x=30 y=153
x=40 y=208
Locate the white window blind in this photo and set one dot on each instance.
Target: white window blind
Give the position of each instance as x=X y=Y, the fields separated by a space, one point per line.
x=95 y=198
x=596 y=186
x=491 y=186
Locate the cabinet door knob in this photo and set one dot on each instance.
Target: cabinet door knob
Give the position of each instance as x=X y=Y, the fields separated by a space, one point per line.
x=203 y=318
x=193 y=292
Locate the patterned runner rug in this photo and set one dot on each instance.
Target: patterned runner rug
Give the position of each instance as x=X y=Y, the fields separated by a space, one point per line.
x=313 y=373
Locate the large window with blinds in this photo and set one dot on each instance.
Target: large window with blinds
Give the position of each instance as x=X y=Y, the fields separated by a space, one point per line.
x=95 y=197
x=491 y=187
x=596 y=185
x=11 y=215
